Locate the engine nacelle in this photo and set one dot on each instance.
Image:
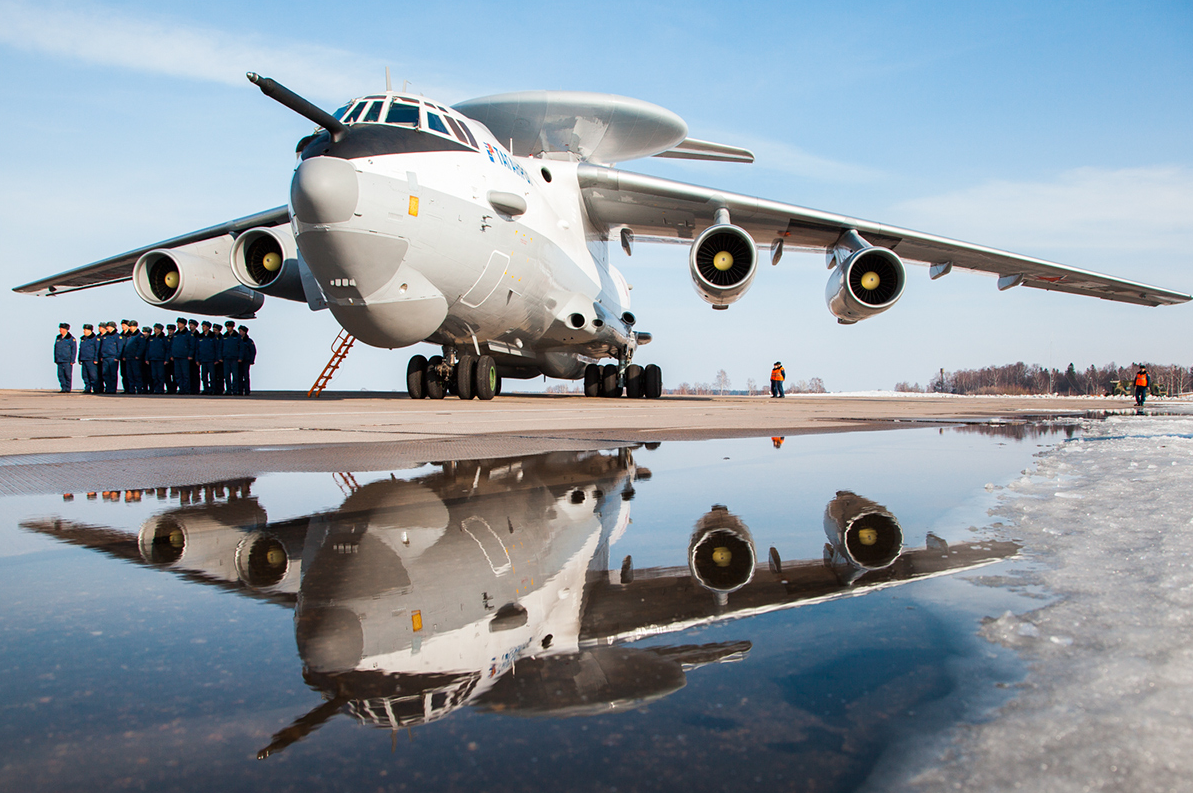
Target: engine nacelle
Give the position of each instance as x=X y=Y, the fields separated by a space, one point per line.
x=869 y=281
x=723 y=261
x=863 y=536
x=194 y=279
x=721 y=554
x=266 y=260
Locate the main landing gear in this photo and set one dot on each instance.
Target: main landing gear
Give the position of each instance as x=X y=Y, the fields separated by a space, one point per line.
x=639 y=382
x=434 y=378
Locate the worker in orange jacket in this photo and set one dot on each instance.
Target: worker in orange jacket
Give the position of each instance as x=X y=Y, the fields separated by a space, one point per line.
x=777 y=376
x=1142 y=381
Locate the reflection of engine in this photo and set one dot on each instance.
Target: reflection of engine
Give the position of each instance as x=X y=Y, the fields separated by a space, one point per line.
x=862 y=535
x=867 y=280
x=721 y=554
x=723 y=261
x=194 y=278
x=266 y=260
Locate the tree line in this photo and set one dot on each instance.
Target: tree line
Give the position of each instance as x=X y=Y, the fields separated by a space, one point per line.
x=1021 y=378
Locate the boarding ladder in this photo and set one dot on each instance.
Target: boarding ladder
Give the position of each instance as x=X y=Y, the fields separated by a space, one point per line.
x=339 y=351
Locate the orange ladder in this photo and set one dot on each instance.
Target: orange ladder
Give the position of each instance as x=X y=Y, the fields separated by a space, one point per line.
x=339 y=351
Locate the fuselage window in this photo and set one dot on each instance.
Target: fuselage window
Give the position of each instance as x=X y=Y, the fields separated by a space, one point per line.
x=471 y=139
x=374 y=113
x=436 y=123
x=456 y=129
x=355 y=114
x=402 y=113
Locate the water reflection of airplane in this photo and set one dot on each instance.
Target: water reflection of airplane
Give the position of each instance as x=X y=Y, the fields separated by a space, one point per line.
x=416 y=597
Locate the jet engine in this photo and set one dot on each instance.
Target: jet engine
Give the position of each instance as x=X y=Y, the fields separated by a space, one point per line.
x=194 y=279
x=863 y=536
x=867 y=281
x=721 y=554
x=266 y=260
x=723 y=261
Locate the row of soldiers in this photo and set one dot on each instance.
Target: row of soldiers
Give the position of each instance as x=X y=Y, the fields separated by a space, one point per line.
x=179 y=358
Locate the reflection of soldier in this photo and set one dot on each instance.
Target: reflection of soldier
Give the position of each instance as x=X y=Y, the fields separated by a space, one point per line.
x=778 y=441
x=89 y=360
x=65 y=351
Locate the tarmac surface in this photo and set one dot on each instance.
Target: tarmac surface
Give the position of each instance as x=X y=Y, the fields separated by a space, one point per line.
x=62 y=442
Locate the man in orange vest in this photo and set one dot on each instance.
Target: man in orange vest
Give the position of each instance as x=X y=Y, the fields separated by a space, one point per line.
x=1142 y=381
x=777 y=376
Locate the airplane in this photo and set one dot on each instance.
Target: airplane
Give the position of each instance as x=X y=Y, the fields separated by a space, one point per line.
x=488 y=584
x=484 y=228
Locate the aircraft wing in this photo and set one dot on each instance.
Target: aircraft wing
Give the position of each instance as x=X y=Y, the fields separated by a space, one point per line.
x=120 y=268
x=676 y=212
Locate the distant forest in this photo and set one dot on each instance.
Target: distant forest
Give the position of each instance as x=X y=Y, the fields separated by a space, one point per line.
x=1021 y=378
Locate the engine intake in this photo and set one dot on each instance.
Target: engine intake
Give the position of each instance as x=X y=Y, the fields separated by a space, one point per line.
x=194 y=279
x=266 y=260
x=868 y=282
x=723 y=261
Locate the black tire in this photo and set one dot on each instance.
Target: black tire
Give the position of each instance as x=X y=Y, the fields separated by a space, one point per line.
x=416 y=377
x=497 y=390
x=652 y=377
x=486 y=377
x=609 y=385
x=466 y=377
x=592 y=380
x=633 y=381
x=433 y=381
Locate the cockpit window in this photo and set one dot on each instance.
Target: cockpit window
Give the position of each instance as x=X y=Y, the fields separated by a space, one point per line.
x=471 y=139
x=456 y=129
x=402 y=113
x=374 y=113
x=339 y=114
x=436 y=123
x=355 y=114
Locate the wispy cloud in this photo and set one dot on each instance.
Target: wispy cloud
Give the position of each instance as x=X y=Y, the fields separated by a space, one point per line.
x=163 y=45
x=784 y=158
x=1130 y=209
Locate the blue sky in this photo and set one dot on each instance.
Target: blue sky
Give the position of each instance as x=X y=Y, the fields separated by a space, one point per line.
x=1054 y=130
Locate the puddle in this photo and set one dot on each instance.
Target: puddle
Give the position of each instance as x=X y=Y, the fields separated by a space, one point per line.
x=697 y=614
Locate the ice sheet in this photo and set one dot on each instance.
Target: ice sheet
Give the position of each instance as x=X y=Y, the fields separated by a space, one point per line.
x=1107 y=520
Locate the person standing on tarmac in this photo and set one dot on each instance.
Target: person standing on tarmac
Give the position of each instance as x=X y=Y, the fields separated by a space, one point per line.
x=110 y=348
x=230 y=355
x=132 y=357
x=89 y=360
x=1142 y=381
x=196 y=379
x=146 y=378
x=157 y=351
x=209 y=353
x=66 y=349
x=182 y=353
x=777 y=376
x=248 y=356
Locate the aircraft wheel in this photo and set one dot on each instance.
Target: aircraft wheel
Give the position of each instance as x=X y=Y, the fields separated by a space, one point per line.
x=466 y=377
x=609 y=385
x=416 y=377
x=497 y=388
x=652 y=377
x=633 y=381
x=433 y=381
x=486 y=377
x=592 y=380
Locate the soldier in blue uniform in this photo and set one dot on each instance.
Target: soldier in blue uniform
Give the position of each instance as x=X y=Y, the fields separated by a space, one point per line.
x=182 y=352
x=146 y=379
x=157 y=351
x=66 y=349
x=230 y=355
x=195 y=378
x=89 y=359
x=248 y=356
x=132 y=358
x=124 y=375
x=110 y=347
x=208 y=354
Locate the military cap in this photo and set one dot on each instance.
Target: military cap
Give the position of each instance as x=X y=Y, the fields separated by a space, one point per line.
x=64 y=325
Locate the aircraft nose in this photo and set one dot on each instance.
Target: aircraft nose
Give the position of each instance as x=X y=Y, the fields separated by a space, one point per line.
x=324 y=190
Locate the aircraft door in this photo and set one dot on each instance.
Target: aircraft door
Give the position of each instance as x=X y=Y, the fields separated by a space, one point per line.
x=484 y=286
